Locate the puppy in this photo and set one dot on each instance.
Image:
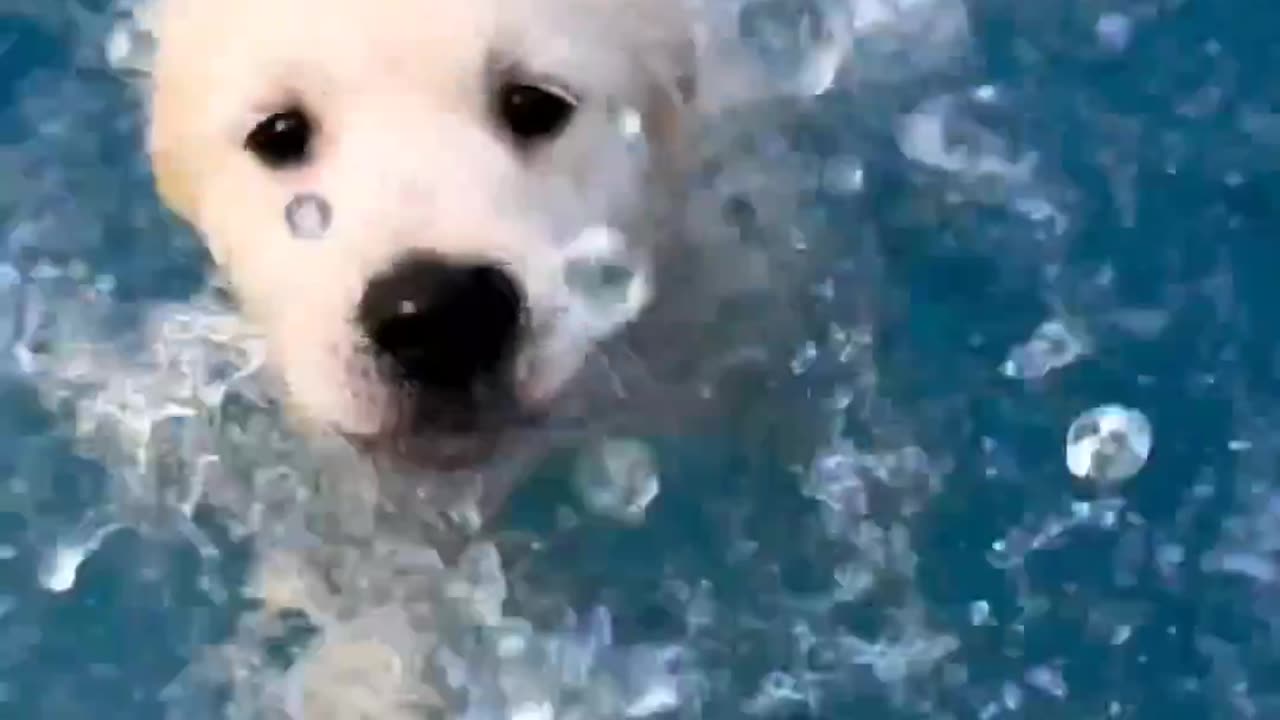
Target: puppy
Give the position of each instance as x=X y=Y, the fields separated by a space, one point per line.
x=392 y=189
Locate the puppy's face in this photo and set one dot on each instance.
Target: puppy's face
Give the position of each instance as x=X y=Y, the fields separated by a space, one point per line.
x=402 y=192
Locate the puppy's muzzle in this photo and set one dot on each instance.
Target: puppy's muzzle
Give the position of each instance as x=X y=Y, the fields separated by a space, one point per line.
x=447 y=333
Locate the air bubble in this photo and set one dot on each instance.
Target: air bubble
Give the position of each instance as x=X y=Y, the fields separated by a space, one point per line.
x=618 y=479
x=308 y=216
x=661 y=697
x=804 y=358
x=608 y=284
x=60 y=566
x=797 y=40
x=979 y=613
x=131 y=45
x=1109 y=443
x=1114 y=31
x=1047 y=679
x=1051 y=346
x=601 y=281
x=534 y=710
x=630 y=123
x=1011 y=695
x=843 y=175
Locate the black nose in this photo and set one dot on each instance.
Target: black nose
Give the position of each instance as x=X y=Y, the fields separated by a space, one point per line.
x=446 y=327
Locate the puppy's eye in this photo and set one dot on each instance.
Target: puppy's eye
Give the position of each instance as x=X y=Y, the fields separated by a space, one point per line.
x=282 y=139
x=534 y=112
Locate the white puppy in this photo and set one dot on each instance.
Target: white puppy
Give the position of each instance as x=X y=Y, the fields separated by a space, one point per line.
x=394 y=189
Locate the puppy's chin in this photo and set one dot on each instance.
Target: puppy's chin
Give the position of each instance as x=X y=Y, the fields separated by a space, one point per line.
x=435 y=451
x=449 y=444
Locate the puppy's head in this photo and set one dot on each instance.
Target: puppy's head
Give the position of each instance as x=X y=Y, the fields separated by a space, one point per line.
x=397 y=191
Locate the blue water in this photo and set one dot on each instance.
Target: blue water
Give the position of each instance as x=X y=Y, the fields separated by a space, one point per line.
x=1161 y=153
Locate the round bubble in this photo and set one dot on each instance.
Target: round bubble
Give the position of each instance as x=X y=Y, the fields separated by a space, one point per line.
x=308 y=216
x=610 y=286
x=1109 y=443
x=618 y=479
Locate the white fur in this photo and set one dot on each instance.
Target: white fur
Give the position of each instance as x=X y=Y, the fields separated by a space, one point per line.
x=408 y=158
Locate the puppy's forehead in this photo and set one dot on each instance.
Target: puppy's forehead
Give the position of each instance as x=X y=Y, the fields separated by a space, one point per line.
x=229 y=43
x=390 y=43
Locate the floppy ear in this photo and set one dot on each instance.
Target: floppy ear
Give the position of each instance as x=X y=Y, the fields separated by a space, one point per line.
x=175 y=159
x=168 y=98
x=174 y=100
x=172 y=184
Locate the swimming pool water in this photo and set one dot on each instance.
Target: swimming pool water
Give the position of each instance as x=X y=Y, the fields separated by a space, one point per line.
x=982 y=168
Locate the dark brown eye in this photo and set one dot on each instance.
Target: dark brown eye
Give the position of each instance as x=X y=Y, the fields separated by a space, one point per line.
x=532 y=112
x=281 y=140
